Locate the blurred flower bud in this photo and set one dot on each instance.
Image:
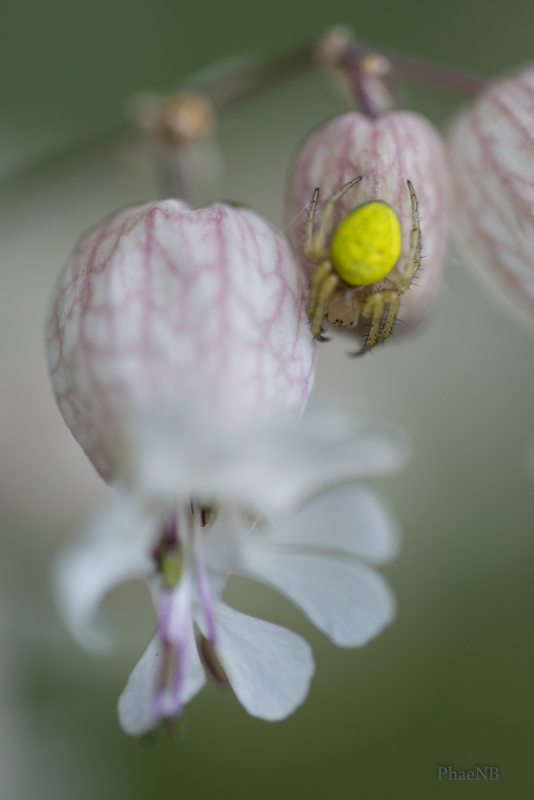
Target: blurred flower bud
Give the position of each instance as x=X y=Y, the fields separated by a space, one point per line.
x=187 y=117
x=181 y=128
x=184 y=117
x=388 y=152
x=172 y=310
x=332 y=46
x=492 y=156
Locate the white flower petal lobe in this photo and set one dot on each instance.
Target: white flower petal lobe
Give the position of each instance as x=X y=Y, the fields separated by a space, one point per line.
x=269 y=668
x=114 y=548
x=346 y=600
x=350 y=519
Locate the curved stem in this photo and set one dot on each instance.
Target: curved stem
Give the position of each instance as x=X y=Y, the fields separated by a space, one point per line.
x=250 y=76
x=418 y=70
x=225 y=87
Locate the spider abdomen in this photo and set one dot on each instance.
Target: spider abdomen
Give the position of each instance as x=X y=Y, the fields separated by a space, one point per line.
x=366 y=244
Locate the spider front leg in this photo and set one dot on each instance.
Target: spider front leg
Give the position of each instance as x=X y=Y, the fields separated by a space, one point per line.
x=402 y=279
x=315 y=242
x=309 y=250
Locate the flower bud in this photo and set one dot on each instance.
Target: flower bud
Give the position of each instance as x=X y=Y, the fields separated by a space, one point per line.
x=167 y=309
x=491 y=150
x=389 y=153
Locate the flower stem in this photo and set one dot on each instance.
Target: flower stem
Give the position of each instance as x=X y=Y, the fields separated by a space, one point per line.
x=222 y=88
x=372 y=74
x=418 y=70
x=225 y=88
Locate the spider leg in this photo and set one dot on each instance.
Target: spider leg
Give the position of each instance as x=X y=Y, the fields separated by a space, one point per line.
x=319 y=241
x=322 y=272
x=403 y=279
x=310 y=221
x=393 y=307
x=374 y=308
x=325 y=292
x=360 y=353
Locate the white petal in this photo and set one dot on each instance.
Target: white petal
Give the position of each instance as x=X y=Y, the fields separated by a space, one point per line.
x=269 y=667
x=350 y=518
x=348 y=601
x=136 y=703
x=114 y=548
x=292 y=463
x=273 y=467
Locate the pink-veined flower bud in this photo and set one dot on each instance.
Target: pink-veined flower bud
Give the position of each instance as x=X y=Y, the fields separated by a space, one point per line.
x=168 y=309
x=389 y=152
x=491 y=150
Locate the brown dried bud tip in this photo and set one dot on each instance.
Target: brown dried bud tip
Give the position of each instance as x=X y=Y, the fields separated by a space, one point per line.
x=375 y=66
x=188 y=118
x=332 y=46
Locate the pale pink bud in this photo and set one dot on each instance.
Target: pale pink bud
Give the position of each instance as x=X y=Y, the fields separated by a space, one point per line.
x=389 y=151
x=492 y=157
x=166 y=309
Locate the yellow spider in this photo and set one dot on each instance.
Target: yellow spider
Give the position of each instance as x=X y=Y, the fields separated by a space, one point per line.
x=364 y=249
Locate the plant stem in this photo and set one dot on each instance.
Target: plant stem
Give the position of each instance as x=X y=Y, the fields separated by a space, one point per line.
x=418 y=70
x=225 y=87
x=248 y=79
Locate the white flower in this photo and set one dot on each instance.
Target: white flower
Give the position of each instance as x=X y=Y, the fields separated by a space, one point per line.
x=181 y=356
x=270 y=503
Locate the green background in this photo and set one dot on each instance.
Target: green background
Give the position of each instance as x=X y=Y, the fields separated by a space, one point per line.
x=452 y=680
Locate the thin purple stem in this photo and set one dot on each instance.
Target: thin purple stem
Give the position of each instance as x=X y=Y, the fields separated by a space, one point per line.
x=364 y=97
x=418 y=70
